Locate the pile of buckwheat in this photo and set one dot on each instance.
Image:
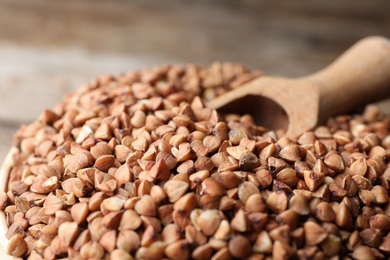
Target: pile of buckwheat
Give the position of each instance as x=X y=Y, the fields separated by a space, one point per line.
x=136 y=167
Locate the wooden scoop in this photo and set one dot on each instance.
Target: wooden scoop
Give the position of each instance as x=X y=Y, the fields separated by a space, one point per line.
x=358 y=77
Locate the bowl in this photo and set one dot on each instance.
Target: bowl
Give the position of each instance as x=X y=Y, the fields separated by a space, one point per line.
x=4 y=174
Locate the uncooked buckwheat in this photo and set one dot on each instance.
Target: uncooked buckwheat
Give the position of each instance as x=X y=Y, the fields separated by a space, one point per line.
x=135 y=166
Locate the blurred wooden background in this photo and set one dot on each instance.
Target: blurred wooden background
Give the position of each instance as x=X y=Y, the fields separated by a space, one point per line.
x=48 y=48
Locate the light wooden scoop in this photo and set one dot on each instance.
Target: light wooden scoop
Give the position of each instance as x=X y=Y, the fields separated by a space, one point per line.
x=358 y=77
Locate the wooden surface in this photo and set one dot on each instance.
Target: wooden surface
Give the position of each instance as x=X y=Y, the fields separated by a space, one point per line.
x=48 y=48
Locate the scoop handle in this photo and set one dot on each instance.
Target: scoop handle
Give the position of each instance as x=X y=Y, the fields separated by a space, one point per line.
x=359 y=76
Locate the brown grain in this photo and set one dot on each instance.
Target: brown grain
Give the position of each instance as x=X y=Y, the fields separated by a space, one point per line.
x=136 y=167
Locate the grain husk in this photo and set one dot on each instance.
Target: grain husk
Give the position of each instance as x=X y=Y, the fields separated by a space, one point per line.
x=150 y=173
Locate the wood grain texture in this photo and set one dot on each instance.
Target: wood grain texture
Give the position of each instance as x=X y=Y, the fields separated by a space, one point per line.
x=48 y=48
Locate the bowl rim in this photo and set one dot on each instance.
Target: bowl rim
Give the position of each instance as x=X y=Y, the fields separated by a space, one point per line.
x=5 y=170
